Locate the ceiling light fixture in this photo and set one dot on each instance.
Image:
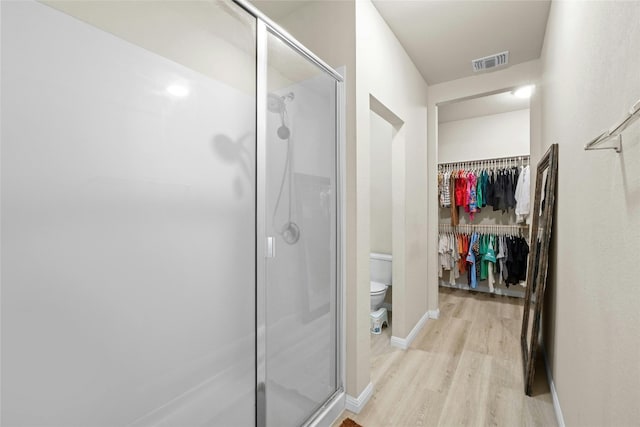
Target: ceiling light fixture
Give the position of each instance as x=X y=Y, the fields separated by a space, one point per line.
x=524 y=91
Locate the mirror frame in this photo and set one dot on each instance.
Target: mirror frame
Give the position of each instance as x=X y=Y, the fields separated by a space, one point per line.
x=539 y=253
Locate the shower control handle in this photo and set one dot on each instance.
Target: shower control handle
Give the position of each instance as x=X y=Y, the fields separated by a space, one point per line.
x=271 y=247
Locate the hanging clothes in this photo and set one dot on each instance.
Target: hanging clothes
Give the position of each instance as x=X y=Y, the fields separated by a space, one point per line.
x=490 y=188
x=490 y=259
x=462 y=196
x=455 y=257
x=444 y=191
x=454 y=208
x=502 y=259
x=444 y=255
x=511 y=179
x=472 y=207
x=523 y=196
x=500 y=191
x=440 y=178
x=503 y=188
x=448 y=256
x=483 y=246
x=484 y=257
x=472 y=258
x=484 y=184
x=479 y=194
x=463 y=246
x=518 y=252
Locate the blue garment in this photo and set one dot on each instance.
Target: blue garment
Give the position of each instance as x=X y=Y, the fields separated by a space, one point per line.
x=471 y=258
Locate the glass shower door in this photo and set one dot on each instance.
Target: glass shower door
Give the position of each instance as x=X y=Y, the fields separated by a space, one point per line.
x=300 y=274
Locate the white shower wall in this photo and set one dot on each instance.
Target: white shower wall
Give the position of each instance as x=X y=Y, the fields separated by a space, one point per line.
x=128 y=232
x=312 y=127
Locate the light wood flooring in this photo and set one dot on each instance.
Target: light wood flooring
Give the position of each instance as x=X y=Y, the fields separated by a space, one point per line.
x=463 y=369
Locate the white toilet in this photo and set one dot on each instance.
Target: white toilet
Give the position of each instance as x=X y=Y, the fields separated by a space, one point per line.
x=380 y=271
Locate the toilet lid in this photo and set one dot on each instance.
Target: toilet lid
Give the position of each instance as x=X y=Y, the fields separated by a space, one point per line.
x=377 y=287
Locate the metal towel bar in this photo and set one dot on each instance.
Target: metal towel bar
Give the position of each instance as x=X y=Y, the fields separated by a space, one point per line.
x=615 y=132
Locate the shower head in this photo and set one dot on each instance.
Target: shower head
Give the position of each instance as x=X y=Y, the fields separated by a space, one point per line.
x=275 y=104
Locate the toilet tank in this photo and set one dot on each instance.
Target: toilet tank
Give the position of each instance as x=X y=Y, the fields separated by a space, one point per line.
x=380 y=268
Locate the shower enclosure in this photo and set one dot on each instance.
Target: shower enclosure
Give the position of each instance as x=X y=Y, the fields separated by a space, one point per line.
x=171 y=228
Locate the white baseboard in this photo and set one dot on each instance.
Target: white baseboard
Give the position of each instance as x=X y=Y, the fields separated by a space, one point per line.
x=554 y=393
x=398 y=342
x=404 y=343
x=355 y=404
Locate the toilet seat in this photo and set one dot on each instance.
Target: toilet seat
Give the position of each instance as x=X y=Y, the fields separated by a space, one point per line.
x=378 y=288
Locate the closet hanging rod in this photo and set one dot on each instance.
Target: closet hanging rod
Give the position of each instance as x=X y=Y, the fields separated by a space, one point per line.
x=491 y=159
x=615 y=132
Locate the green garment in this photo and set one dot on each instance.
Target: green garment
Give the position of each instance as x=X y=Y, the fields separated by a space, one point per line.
x=479 y=193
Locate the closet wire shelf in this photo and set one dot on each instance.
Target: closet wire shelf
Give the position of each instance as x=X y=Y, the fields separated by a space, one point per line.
x=615 y=132
x=484 y=228
x=497 y=161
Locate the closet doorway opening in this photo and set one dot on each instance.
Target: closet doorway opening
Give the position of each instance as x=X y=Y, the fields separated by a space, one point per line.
x=483 y=146
x=386 y=213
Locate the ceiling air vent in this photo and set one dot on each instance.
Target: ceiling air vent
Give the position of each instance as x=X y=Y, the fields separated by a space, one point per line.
x=491 y=61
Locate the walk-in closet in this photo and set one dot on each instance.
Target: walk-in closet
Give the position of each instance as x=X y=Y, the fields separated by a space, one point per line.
x=484 y=194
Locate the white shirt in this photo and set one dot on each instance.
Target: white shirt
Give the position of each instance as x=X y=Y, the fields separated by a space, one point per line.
x=523 y=196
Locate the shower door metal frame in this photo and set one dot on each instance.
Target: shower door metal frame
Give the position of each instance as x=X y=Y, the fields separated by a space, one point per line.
x=264 y=26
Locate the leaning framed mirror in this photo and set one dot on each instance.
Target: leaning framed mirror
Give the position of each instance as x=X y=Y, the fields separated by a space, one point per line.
x=541 y=228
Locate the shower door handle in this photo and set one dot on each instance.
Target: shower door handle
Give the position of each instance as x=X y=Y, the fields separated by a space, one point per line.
x=271 y=247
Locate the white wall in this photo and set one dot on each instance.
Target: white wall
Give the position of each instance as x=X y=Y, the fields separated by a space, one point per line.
x=591 y=60
x=381 y=138
x=386 y=73
x=485 y=137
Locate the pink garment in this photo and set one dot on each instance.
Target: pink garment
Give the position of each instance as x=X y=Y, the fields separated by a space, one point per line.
x=473 y=199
